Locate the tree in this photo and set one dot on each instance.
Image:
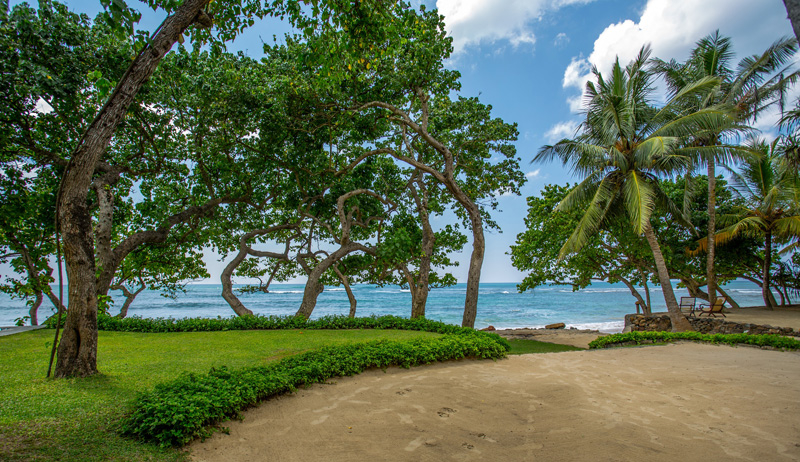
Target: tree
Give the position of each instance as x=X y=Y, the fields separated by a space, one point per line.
x=27 y=234
x=400 y=93
x=162 y=267
x=626 y=144
x=757 y=83
x=78 y=346
x=413 y=249
x=771 y=192
x=613 y=254
x=679 y=241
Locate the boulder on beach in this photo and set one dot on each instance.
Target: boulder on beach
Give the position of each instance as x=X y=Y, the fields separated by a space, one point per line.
x=558 y=325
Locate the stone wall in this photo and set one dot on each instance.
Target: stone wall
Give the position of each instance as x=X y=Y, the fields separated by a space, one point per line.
x=641 y=322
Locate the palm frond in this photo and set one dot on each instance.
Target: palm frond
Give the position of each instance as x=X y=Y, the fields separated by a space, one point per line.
x=748 y=226
x=639 y=198
x=592 y=218
x=582 y=193
x=787 y=228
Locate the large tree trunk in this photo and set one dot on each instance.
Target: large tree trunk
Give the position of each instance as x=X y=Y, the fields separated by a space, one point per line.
x=475 y=264
x=711 y=276
x=793 y=8
x=350 y=296
x=420 y=290
x=679 y=321
x=34 y=311
x=310 y=293
x=227 y=285
x=766 y=293
x=694 y=288
x=730 y=300
x=103 y=232
x=313 y=286
x=77 y=352
x=244 y=250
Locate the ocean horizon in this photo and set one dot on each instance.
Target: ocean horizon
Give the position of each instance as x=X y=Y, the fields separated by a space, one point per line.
x=601 y=306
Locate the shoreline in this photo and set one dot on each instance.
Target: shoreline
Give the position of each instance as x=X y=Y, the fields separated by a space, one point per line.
x=679 y=401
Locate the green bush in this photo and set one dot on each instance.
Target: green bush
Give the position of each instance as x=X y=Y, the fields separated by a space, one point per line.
x=175 y=412
x=639 y=338
x=258 y=322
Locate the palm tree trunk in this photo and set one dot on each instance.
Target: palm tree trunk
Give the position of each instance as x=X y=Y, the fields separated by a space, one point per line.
x=679 y=321
x=711 y=275
x=765 y=283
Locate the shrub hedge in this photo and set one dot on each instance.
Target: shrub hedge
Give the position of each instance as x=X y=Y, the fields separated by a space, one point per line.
x=258 y=322
x=639 y=338
x=175 y=412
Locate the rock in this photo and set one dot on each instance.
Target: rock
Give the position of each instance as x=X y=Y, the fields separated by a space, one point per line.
x=558 y=325
x=489 y=329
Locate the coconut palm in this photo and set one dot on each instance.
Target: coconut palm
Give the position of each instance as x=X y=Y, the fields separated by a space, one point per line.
x=757 y=83
x=623 y=147
x=770 y=189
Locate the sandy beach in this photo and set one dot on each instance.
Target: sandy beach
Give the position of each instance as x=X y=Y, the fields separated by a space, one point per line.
x=684 y=401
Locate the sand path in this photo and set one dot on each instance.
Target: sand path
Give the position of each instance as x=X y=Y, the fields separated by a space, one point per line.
x=686 y=402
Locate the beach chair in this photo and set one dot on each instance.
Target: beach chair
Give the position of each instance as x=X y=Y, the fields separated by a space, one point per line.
x=687 y=306
x=712 y=310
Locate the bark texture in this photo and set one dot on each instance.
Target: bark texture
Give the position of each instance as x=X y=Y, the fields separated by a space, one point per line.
x=313 y=285
x=77 y=352
x=420 y=288
x=679 y=321
x=350 y=296
x=793 y=9
x=475 y=264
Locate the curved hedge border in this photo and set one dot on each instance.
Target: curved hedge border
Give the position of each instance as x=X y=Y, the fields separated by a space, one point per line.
x=175 y=412
x=258 y=322
x=643 y=337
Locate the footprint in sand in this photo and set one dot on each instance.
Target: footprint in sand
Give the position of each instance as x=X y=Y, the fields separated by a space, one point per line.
x=445 y=412
x=413 y=445
x=403 y=392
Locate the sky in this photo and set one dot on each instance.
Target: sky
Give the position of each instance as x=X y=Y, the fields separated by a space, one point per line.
x=530 y=60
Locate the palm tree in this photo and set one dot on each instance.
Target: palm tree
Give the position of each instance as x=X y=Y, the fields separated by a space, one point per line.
x=624 y=146
x=770 y=188
x=757 y=83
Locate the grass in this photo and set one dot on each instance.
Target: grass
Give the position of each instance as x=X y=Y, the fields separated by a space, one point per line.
x=77 y=419
x=523 y=347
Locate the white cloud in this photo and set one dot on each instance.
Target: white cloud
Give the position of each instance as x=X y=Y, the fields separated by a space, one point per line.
x=561 y=130
x=472 y=22
x=561 y=40
x=672 y=27
x=533 y=174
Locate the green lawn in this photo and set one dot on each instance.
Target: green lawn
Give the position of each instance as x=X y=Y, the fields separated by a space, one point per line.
x=75 y=419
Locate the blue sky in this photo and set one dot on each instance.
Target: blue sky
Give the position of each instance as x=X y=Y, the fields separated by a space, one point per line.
x=529 y=59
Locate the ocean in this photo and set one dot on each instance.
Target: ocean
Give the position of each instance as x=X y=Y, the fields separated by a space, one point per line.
x=601 y=306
